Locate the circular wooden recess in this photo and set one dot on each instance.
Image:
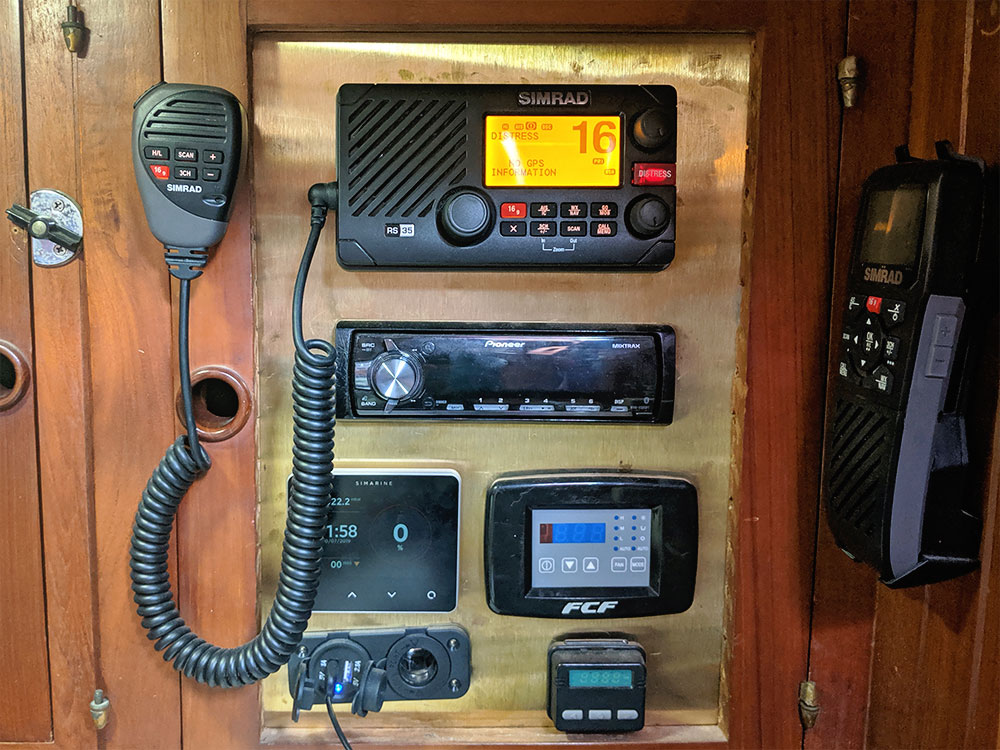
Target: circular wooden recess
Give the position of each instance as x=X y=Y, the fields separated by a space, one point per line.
x=15 y=374
x=221 y=403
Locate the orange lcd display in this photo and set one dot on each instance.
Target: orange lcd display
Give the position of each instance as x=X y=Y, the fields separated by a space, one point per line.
x=553 y=151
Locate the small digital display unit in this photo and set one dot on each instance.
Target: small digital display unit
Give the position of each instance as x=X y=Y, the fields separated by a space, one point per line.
x=584 y=548
x=591 y=544
x=597 y=683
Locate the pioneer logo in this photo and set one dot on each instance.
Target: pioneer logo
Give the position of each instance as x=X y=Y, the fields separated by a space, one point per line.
x=883 y=276
x=491 y=344
x=626 y=345
x=589 y=608
x=550 y=98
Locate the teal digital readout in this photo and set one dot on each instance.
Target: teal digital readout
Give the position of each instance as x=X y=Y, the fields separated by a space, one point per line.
x=600 y=678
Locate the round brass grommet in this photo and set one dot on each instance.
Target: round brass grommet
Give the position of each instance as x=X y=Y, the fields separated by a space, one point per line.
x=15 y=374
x=221 y=402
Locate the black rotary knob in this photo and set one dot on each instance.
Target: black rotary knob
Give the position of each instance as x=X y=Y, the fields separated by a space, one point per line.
x=465 y=217
x=396 y=376
x=652 y=129
x=647 y=216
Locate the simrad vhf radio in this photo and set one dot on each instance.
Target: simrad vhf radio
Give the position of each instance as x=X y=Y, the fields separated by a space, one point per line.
x=590 y=544
x=618 y=373
x=506 y=176
x=895 y=459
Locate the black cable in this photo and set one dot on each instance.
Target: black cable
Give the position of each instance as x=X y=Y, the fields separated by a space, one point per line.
x=313 y=387
x=336 y=724
x=201 y=455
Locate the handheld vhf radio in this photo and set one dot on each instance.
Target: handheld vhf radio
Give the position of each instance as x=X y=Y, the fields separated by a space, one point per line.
x=896 y=459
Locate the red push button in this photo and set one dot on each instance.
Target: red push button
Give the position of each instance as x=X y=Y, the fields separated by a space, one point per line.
x=160 y=171
x=513 y=210
x=874 y=304
x=648 y=173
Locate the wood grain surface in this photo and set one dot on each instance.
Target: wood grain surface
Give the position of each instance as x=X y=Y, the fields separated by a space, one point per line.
x=127 y=304
x=790 y=264
x=25 y=707
x=216 y=527
x=844 y=598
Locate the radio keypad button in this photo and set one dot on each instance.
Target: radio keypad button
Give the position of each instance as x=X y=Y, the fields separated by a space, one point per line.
x=543 y=228
x=536 y=407
x=891 y=350
x=543 y=210
x=873 y=304
x=945 y=327
x=893 y=312
x=185 y=173
x=491 y=407
x=513 y=210
x=603 y=210
x=513 y=228
x=156 y=152
x=573 y=228
x=855 y=304
x=599 y=714
x=572 y=714
x=603 y=228
x=573 y=210
x=880 y=380
x=627 y=714
x=186 y=154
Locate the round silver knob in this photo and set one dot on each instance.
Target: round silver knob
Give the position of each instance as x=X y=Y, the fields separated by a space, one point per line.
x=395 y=376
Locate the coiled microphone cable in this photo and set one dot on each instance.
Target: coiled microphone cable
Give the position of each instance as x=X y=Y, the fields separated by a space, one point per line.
x=313 y=395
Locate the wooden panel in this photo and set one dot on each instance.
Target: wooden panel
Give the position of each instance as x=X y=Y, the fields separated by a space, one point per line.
x=63 y=388
x=221 y=506
x=881 y=34
x=933 y=679
x=790 y=263
x=132 y=401
x=431 y=15
x=25 y=707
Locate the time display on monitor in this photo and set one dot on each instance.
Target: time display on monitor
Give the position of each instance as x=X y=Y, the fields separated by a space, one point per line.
x=552 y=151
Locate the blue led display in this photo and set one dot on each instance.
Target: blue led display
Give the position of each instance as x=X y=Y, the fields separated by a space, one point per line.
x=572 y=533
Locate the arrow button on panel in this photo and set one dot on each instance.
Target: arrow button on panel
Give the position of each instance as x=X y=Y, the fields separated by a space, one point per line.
x=391 y=594
x=352 y=595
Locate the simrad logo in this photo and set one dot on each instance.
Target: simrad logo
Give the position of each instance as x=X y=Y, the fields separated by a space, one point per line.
x=491 y=344
x=550 y=98
x=883 y=276
x=589 y=608
x=173 y=187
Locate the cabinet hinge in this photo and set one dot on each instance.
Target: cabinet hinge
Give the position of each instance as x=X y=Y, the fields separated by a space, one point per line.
x=808 y=706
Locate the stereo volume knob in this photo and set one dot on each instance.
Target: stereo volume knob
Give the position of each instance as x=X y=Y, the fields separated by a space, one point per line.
x=647 y=216
x=465 y=217
x=396 y=376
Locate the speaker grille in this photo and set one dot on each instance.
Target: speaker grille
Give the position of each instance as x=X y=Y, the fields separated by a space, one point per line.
x=399 y=152
x=186 y=118
x=859 y=465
